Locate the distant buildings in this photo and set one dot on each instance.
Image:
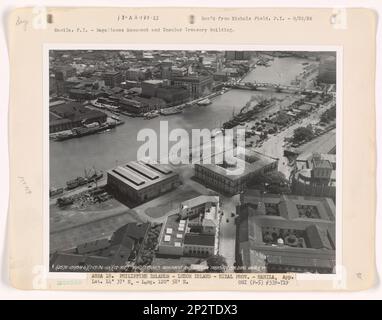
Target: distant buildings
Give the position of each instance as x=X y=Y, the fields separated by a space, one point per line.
x=238 y=55
x=217 y=176
x=327 y=70
x=138 y=74
x=64 y=72
x=67 y=116
x=315 y=175
x=280 y=234
x=193 y=230
x=83 y=88
x=59 y=75
x=138 y=181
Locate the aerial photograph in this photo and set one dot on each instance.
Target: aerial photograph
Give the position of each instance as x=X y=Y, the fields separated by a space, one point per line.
x=192 y=161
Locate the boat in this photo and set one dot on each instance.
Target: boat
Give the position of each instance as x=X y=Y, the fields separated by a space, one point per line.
x=96 y=176
x=170 y=111
x=150 y=115
x=115 y=118
x=77 y=182
x=204 y=102
x=80 y=181
x=63 y=136
x=62 y=202
x=104 y=131
x=55 y=191
x=85 y=131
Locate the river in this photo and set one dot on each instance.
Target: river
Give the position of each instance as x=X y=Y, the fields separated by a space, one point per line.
x=68 y=159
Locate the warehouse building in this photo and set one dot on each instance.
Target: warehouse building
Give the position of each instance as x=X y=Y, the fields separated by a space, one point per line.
x=139 y=181
x=67 y=116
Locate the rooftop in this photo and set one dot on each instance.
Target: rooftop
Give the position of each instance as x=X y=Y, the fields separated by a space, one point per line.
x=199 y=239
x=320 y=163
x=93 y=246
x=199 y=200
x=72 y=111
x=173 y=231
x=140 y=174
x=314 y=234
x=153 y=81
x=111 y=73
x=250 y=161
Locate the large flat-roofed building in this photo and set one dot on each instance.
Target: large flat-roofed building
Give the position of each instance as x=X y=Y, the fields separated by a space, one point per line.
x=112 y=78
x=220 y=177
x=141 y=105
x=193 y=230
x=71 y=115
x=172 y=95
x=197 y=85
x=285 y=233
x=139 y=181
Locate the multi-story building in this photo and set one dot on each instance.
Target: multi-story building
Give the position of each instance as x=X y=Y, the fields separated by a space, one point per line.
x=112 y=78
x=173 y=95
x=193 y=230
x=285 y=233
x=238 y=55
x=137 y=74
x=61 y=74
x=139 y=181
x=64 y=72
x=178 y=71
x=170 y=94
x=197 y=85
x=150 y=87
x=165 y=69
x=141 y=105
x=219 y=176
x=315 y=175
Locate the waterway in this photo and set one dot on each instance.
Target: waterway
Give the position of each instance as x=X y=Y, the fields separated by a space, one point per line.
x=68 y=159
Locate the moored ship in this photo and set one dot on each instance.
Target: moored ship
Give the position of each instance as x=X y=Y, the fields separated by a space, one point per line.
x=204 y=102
x=80 y=181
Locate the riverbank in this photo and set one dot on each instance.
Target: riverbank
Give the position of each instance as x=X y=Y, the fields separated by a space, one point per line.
x=104 y=151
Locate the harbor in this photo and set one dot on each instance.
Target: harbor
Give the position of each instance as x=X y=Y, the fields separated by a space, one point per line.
x=103 y=151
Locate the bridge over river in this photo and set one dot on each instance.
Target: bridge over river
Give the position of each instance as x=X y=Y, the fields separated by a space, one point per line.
x=265 y=86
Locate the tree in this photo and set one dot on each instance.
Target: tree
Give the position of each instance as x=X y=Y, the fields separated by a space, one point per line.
x=216 y=263
x=274 y=182
x=303 y=134
x=328 y=115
